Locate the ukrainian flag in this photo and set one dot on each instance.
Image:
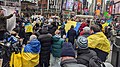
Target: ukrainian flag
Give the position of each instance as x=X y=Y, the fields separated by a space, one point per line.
x=29 y=56
x=28 y=28
x=75 y=24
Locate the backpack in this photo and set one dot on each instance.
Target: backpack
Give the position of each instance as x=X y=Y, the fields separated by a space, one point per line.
x=93 y=61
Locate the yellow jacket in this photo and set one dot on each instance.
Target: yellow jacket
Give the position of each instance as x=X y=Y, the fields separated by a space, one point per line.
x=99 y=41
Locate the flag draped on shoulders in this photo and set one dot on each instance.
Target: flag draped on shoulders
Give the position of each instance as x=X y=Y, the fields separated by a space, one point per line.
x=99 y=41
x=29 y=56
x=28 y=27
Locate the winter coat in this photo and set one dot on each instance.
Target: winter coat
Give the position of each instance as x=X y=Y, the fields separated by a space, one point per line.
x=52 y=29
x=57 y=46
x=63 y=32
x=81 y=53
x=71 y=35
x=22 y=32
x=46 y=42
x=84 y=24
x=3 y=22
x=99 y=41
x=71 y=63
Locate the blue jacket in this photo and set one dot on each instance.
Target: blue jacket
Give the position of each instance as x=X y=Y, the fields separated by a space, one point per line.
x=33 y=46
x=57 y=46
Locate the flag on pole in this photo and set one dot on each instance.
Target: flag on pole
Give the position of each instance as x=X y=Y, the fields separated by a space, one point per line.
x=107 y=15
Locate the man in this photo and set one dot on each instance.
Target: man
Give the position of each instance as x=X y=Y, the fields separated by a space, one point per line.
x=99 y=42
x=84 y=51
x=71 y=35
x=3 y=23
x=46 y=41
x=85 y=32
x=56 y=49
x=68 y=56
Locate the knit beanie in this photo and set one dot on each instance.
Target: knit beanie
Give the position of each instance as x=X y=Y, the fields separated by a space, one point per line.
x=67 y=50
x=82 y=42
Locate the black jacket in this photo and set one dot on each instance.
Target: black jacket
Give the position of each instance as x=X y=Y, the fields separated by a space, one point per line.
x=71 y=35
x=3 y=22
x=87 y=52
x=52 y=28
x=46 y=42
x=71 y=63
x=63 y=32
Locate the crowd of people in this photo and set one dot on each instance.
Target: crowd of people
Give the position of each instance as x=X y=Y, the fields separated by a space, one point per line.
x=46 y=42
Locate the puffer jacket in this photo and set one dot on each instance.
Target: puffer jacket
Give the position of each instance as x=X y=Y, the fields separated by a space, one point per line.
x=3 y=22
x=71 y=63
x=57 y=46
x=46 y=42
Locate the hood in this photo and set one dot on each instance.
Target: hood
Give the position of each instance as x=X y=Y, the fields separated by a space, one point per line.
x=33 y=46
x=56 y=38
x=68 y=61
x=34 y=43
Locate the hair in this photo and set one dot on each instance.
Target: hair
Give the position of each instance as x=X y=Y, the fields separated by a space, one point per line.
x=95 y=28
x=72 y=26
x=57 y=32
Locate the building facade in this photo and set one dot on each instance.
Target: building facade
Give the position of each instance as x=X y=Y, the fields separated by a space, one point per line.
x=29 y=8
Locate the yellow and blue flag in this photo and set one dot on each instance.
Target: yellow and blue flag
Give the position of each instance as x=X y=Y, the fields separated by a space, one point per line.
x=29 y=57
x=28 y=28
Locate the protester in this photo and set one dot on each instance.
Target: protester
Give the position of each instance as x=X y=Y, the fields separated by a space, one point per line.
x=71 y=35
x=83 y=24
x=85 y=32
x=29 y=56
x=46 y=41
x=52 y=28
x=3 y=23
x=84 y=51
x=56 y=48
x=68 y=56
x=99 y=42
x=62 y=30
x=28 y=29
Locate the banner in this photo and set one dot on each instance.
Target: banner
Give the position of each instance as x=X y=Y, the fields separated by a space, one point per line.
x=79 y=6
x=97 y=12
x=110 y=9
x=75 y=5
x=107 y=15
x=69 y=5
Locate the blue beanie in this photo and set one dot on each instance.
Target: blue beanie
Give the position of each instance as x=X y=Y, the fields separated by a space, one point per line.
x=67 y=50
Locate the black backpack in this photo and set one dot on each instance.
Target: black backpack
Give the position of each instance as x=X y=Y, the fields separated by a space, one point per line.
x=93 y=61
